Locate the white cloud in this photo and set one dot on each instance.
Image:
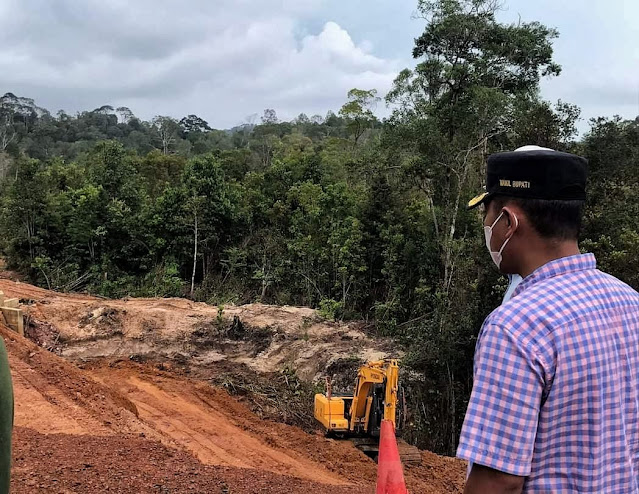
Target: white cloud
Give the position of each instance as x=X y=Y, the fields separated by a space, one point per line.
x=225 y=59
x=222 y=60
x=598 y=49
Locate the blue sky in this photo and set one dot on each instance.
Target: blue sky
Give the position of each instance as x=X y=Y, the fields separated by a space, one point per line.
x=227 y=60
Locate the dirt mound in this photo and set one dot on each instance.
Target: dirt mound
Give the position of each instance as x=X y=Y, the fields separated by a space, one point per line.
x=219 y=430
x=62 y=463
x=265 y=338
x=54 y=396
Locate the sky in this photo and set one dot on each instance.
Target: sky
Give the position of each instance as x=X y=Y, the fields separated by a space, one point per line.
x=228 y=60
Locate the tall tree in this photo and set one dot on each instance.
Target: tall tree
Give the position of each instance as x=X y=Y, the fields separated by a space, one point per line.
x=612 y=216
x=166 y=129
x=358 y=111
x=192 y=124
x=209 y=207
x=450 y=112
x=125 y=114
x=8 y=132
x=269 y=117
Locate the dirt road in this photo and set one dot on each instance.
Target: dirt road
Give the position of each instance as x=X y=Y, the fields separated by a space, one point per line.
x=63 y=463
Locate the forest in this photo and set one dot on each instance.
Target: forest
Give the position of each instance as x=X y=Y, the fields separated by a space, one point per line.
x=359 y=217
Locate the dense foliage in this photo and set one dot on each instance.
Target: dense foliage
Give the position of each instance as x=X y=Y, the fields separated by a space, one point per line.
x=360 y=218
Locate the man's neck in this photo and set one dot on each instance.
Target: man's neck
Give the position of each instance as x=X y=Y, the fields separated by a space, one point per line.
x=545 y=252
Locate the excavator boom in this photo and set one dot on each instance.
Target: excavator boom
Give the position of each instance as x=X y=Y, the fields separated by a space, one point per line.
x=371 y=378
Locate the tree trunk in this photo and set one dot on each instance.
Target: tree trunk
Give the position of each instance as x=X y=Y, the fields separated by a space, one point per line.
x=452 y=412
x=30 y=228
x=165 y=144
x=194 y=257
x=264 y=279
x=204 y=254
x=344 y=290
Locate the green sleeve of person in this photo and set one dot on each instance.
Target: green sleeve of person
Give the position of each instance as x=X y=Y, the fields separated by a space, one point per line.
x=6 y=419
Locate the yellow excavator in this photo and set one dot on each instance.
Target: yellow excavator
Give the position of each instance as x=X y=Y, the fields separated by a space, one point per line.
x=358 y=417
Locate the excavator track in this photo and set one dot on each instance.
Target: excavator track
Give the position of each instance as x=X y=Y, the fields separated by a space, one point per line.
x=410 y=456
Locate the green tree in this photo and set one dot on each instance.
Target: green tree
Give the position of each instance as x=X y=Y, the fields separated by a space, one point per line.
x=194 y=124
x=159 y=170
x=450 y=112
x=612 y=216
x=209 y=206
x=25 y=212
x=166 y=131
x=358 y=111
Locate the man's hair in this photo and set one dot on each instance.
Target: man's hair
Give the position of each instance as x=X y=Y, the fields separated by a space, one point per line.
x=551 y=219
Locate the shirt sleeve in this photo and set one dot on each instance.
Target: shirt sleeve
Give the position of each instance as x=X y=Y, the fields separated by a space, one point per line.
x=501 y=420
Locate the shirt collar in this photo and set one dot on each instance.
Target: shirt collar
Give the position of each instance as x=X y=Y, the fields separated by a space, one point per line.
x=564 y=265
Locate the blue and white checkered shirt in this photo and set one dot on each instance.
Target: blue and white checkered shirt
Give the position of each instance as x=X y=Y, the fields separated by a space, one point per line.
x=556 y=383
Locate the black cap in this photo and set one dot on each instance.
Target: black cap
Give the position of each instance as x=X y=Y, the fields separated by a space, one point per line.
x=534 y=173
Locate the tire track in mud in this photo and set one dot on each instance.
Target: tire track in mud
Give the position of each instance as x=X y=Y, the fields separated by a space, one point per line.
x=175 y=411
x=35 y=400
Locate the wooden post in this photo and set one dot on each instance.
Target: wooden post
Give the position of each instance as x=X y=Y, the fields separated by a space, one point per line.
x=14 y=319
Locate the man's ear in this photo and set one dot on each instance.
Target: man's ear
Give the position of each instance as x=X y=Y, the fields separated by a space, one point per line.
x=511 y=217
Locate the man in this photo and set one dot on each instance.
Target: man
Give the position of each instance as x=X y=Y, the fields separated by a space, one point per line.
x=555 y=401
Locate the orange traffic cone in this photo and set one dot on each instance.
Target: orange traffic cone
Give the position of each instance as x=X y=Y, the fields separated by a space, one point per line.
x=390 y=477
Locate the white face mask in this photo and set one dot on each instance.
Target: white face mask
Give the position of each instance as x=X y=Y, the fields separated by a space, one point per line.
x=488 y=233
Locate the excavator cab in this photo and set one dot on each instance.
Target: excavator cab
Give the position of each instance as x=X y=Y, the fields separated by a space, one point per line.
x=333 y=412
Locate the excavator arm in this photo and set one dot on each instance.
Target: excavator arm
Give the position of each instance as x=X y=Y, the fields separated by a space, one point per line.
x=392 y=386
x=384 y=373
